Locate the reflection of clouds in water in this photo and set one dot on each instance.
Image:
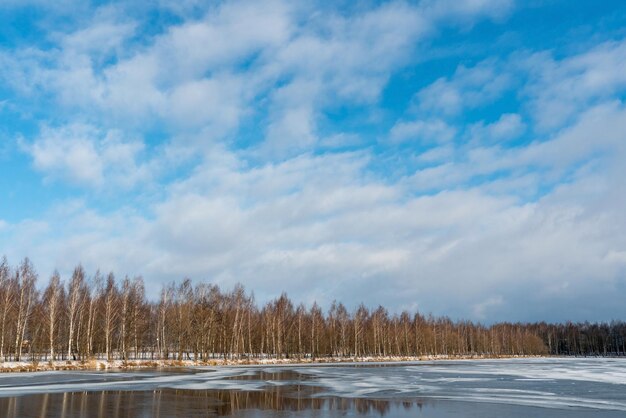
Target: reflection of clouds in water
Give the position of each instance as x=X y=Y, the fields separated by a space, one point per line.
x=549 y=383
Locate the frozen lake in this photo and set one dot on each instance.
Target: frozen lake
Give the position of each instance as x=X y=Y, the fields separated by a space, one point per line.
x=472 y=388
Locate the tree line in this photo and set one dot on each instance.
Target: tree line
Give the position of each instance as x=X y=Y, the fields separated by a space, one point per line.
x=102 y=317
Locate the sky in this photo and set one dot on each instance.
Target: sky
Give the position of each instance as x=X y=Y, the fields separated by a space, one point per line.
x=458 y=157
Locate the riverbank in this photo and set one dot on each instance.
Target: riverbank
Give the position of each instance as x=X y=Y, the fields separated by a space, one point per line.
x=42 y=366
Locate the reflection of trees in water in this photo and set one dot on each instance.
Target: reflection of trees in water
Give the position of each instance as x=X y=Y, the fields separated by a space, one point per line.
x=192 y=403
x=279 y=374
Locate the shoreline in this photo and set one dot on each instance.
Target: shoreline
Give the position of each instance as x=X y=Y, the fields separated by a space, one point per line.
x=113 y=365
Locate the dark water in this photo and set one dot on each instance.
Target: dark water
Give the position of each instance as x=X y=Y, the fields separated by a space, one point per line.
x=204 y=403
x=508 y=388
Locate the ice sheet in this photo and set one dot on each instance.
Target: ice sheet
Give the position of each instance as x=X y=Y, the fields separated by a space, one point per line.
x=595 y=383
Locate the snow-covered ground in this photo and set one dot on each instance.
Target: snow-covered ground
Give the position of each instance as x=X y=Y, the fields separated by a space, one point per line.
x=97 y=364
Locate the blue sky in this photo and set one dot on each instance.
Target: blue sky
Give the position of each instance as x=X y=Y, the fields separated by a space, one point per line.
x=464 y=158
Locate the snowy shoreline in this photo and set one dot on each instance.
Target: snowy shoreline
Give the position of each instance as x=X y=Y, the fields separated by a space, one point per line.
x=65 y=365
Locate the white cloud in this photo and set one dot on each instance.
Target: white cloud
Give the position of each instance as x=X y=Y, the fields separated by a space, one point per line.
x=468 y=87
x=70 y=154
x=215 y=104
x=83 y=155
x=552 y=160
x=129 y=90
x=508 y=126
x=341 y=140
x=293 y=132
x=321 y=225
x=560 y=89
x=440 y=154
x=220 y=63
x=598 y=132
x=427 y=131
x=105 y=36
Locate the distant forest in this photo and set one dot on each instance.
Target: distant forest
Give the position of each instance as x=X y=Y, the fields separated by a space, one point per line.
x=101 y=317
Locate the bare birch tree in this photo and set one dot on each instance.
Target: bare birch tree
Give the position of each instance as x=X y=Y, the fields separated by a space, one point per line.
x=27 y=294
x=74 y=294
x=52 y=301
x=8 y=287
x=110 y=313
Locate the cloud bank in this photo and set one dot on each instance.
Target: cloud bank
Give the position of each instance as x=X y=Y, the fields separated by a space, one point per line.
x=346 y=152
